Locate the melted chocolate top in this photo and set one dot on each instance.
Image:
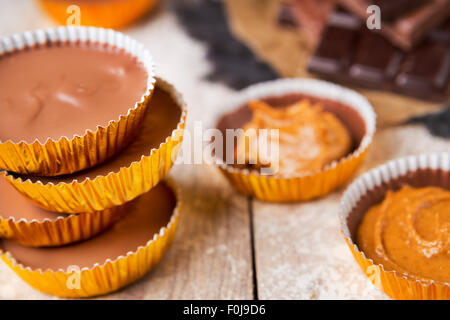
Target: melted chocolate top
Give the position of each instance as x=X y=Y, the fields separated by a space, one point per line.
x=162 y=117
x=145 y=216
x=63 y=90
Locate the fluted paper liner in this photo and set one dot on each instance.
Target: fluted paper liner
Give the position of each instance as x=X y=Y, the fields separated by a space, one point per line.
x=114 y=189
x=278 y=188
x=106 y=14
x=370 y=188
x=59 y=231
x=71 y=154
x=108 y=276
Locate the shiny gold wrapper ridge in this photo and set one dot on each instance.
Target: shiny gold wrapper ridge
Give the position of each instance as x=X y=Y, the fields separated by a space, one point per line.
x=114 y=189
x=61 y=231
x=102 y=278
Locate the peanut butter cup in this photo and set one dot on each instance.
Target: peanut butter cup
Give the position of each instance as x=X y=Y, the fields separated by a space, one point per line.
x=409 y=232
x=23 y=222
x=115 y=258
x=70 y=98
x=342 y=114
x=128 y=174
x=395 y=221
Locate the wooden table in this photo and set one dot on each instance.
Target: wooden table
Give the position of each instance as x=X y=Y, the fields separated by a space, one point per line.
x=229 y=246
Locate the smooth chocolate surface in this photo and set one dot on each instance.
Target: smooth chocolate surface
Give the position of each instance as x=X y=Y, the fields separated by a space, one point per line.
x=63 y=90
x=145 y=216
x=348 y=116
x=413 y=20
x=162 y=117
x=13 y=204
x=349 y=53
x=312 y=15
x=391 y=9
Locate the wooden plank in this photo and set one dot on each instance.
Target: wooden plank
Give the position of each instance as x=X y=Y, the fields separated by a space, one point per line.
x=300 y=253
x=211 y=254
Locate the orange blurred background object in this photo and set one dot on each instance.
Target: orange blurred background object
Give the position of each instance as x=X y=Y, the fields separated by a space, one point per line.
x=112 y=14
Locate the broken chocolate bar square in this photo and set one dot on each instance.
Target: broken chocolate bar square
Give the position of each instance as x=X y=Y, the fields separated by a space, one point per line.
x=351 y=54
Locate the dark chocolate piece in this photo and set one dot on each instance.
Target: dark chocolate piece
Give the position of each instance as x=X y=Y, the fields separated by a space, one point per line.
x=375 y=61
x=441 y=34
x=351 y=54
x=43 y=96
x=348 y=116
x=418 y=179
x=391 y=9
x=408 y=29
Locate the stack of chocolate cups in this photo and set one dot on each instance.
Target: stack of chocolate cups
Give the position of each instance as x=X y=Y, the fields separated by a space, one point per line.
x=86 y=213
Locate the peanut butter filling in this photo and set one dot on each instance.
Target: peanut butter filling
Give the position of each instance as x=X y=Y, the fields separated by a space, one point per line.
x=409 y=232
x=309 y=138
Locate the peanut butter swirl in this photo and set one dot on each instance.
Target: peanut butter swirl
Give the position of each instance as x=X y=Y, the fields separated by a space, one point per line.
x=409 y=232
x=309 y=137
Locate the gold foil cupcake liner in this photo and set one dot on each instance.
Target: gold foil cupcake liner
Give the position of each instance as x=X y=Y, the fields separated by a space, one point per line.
x=418 y=171
x=71 y=154
x=61 y=230
x=106 y=14
x=114 y=189
x=102 y=278
x=312 y=185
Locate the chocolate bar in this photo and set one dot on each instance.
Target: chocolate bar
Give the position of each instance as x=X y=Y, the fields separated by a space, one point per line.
x=309 y=15
x=350 y=53
x=392 y=9
x=408 y=27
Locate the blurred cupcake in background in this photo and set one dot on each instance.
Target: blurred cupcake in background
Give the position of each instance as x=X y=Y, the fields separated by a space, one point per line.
x=113 y=14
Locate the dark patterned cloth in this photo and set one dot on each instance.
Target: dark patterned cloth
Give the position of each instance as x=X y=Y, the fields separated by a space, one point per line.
x=233 y=62
x=437 y=123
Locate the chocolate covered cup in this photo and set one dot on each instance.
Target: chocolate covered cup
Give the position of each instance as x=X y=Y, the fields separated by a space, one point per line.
x=368 y=191
x=71 y=98
x=130 y=173
x=108 y=262
x=353 y=111
x=29 y=225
